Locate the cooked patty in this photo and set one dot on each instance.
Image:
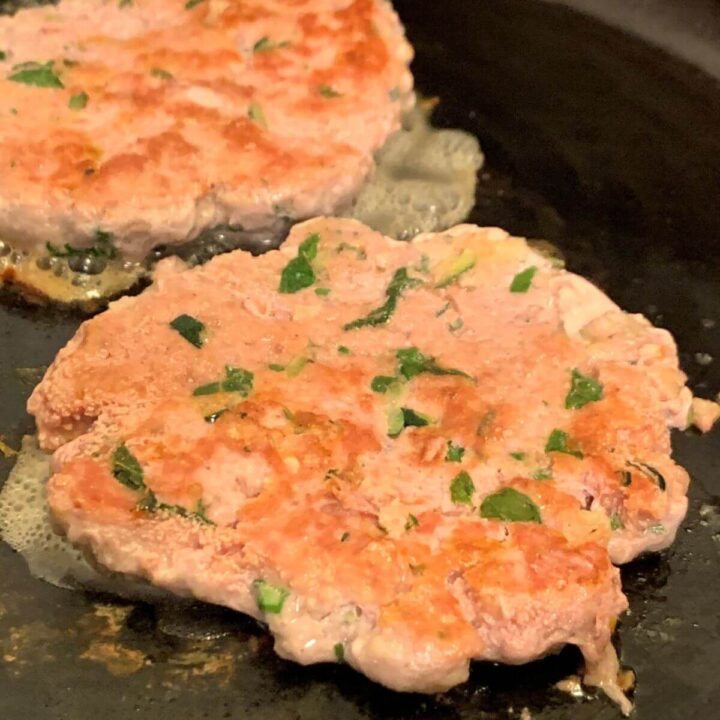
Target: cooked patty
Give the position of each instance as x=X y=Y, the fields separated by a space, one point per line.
x=407 y=455
x=144 y=123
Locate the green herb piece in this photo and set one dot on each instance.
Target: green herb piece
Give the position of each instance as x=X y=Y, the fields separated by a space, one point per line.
x=37 y=74
x=339 y=650
x=464 y=262
x=345 y=537
x=125 y=3
x=160 y=73
x=295 y=366
x=649 y=471
x=190 y=4
x=510 y=505
x=657 y=529
x=523 y=280
x=443 y=309
x=126 y=469
x=414 y=419
x=359 y=252
x=343 y=350
x=213 y=417
x=583 y=390
x=382 y=383
x=269 y=598
x=150 y=503
x=542 y=474
x=290 y=415
x=236 y=380
x=413 y=362
x=265 y=44
x=400 y=418
x=103 y=247
x=3 y=56
x=411 y=522
x=616 y=522
x=462 y=489
x=456 y=325
x=517 y=455
x=400 y=282
x=328 y=92
x=454 y=452
x=298 y=274
x=486 y=422
x=558 y=442
x=79 y=101
x=256 y=114
x=190 y=328
x=275 y=367
x=322 y=292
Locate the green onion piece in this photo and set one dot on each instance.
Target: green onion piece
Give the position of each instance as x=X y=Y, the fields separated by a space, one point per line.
x=517 y=455
x=462 y=489
x=411 y=522
x=190 y=4
x=464 y=262
x=413 y=362
x=542 y=474
x=275 y=367
x=298 y=274
x=190 y=328
x=454 y=452
x=583 y=390
x=558 y=442
x=510 y=505
x=322 y=292
x=616 y=522
x=523 y=280
x=79 y=101
x=328 y=92
x=269 y=598
x=343 y=350
x=256 y=114
x=126 y=469
x=382 y=383
x=339 y=650
x=37 y=74
x=400 y=282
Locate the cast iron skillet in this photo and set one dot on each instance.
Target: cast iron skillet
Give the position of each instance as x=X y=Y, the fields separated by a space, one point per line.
x=596 y=141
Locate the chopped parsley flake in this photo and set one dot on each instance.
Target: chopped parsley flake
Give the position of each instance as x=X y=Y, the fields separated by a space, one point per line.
x=275 y=367
x=269 y=598
x=462 y=489
x=558 y=442
x=583 y=390
x=37 y=74
x=411 y=522
x=523 y=280
x=343 y=350
x=265 y=44
x=400 y=418
x=256 y=114
x=298 y=274
x=160 y=73
x=149 y=503
x=190 y=4
x=3 y=56
x=236 y=380
x=542 y=474
x=79 y=101
x=413 y=362
x=190 y=328
x=296 y=365
x=517 y=455
x=328 y=92
x=400 y=282
x=125 y=3
x=616 y=522
x=103 y=247
x=454 y=452
x=382 y=383
x=322 y=292
x=510 y=505
x=339 y=650
x=126 y=469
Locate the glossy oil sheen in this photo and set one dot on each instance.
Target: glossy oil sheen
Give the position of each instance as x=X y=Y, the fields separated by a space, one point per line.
x=604 y=146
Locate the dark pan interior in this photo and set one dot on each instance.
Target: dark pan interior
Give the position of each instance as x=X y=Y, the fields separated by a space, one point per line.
x=595 y=141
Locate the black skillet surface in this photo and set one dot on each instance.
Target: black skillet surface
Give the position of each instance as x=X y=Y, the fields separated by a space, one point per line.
x=595 y=141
